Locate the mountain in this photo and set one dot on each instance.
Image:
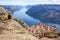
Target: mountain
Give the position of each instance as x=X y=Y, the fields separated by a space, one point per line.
x=13 y=30
x=28 y=6
x=46 y=13
x=11 y=8
x=3 y=11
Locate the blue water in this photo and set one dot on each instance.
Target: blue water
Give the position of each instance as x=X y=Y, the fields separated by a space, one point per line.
x=21 y=15
x=24 y=17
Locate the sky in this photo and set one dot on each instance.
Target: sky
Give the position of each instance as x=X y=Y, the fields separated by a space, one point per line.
x=28 y=2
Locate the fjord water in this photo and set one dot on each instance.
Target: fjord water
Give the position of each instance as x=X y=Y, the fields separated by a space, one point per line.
x=21 y=15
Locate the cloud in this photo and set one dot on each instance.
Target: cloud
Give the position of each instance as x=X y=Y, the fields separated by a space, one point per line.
x=17 y=3
x=29 y=2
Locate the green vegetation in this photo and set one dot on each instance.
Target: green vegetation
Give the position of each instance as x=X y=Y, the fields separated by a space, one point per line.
x=51 y=34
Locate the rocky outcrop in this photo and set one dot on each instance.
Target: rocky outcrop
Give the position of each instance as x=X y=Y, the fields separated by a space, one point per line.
x=11 y=27
x=39 y=30
x=12 y=30
x=3 y=11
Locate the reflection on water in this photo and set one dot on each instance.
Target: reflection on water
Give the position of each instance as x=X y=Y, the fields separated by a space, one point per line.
x=28 y=19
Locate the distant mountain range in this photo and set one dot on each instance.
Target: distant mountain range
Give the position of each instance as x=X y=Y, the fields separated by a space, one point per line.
x=45 y=13
x=11 y=8
x=29 y=6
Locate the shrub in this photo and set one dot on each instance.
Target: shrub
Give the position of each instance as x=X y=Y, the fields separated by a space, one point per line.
x=51 y=34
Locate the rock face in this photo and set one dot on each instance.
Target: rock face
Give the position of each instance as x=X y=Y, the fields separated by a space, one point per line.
x=3 y=11
x=12 y=30
x=45 y=13
x=39 y=30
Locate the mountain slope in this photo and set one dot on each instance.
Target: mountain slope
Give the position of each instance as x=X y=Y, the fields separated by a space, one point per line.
x=2 y=11
x=12 y=30
x=12 y=27
x=45 y=13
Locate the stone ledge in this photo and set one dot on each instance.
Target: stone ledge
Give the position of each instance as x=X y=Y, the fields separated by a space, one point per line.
x=17 y=37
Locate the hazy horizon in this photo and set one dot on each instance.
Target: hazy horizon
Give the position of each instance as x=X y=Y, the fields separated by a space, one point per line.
x=28 y=2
